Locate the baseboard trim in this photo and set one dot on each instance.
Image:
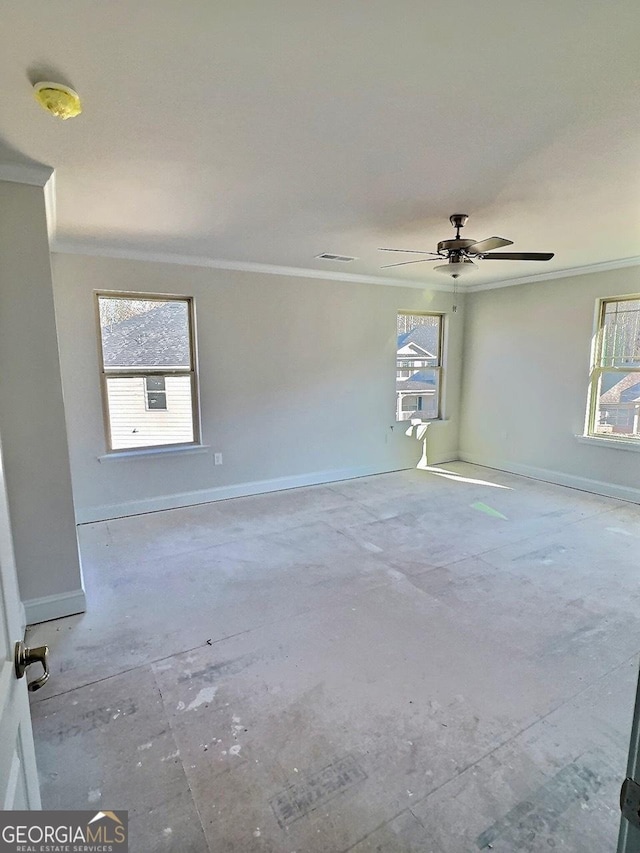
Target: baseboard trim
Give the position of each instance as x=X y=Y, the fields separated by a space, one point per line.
x=54 y=606
x=558 y=478
x=239 y=490
x=441 y=460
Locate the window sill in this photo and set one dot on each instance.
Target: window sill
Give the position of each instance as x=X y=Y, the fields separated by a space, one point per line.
x=411 y=421
x=144 y=452
x=612 y=443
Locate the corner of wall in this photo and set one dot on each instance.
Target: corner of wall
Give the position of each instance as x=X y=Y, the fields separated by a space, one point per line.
x=464 y=373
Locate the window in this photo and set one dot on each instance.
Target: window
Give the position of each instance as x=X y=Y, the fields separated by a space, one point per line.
x=156 y=392
x=148 y=370
x=614 y=399
x=419 y=348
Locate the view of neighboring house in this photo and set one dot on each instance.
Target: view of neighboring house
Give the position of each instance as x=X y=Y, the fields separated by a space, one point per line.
x=618 y=391
x=148 y=404
x=416 y=384
x=619 y=404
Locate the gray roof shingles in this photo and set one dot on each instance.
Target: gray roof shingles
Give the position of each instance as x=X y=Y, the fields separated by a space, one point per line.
x=157 y=338
x=425 y=336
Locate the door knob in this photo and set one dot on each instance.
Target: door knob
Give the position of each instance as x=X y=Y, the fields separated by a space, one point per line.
x=25 y=656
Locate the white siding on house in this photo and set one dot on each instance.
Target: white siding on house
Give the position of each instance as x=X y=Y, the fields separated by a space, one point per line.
x=133 y=425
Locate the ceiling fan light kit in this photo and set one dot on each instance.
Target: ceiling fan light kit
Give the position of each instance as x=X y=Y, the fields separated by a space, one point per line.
x=456 y=267
x=461 y=252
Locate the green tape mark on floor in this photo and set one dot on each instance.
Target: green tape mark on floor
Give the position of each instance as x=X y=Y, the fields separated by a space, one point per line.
x=488 y=510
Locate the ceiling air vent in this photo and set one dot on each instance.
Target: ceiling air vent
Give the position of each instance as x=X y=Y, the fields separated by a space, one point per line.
x=327 y=256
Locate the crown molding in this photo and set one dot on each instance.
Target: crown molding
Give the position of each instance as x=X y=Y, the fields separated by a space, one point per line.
x=33 y=174
x=96 y=250
x=604 y=266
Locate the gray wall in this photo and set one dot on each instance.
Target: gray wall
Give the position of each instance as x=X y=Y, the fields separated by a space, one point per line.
x=296 y=383
x=32 y=420
x=526 y=368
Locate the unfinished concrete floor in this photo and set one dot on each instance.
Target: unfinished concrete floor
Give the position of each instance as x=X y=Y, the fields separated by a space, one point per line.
x=438 y=661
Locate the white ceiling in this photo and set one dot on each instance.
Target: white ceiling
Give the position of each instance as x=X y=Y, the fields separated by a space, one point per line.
x=268 y=131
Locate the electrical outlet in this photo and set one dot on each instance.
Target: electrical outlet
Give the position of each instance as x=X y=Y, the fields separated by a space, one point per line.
x=217 y=458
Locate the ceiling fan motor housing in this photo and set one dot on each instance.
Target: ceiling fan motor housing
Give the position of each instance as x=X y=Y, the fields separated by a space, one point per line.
x=454 y=245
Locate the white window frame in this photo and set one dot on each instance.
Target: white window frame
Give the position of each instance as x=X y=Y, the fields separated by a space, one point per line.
x=598 y=369
x=438 y=368
x=143 y=372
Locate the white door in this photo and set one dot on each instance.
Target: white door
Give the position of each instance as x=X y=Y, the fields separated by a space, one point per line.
x=18 y=775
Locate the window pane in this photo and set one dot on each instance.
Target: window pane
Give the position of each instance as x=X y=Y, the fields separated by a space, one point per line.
x=155 y=383
x=144 y=333
x=621 y=334
x=156 y=400
x=618 y=404
x=418 y=352
x=133 y=424
x=417 y=396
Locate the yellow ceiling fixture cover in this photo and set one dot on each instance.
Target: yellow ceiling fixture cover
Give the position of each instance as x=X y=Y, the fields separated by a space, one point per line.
x=58 y=99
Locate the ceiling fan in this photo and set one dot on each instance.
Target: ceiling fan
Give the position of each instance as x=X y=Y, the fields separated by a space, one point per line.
x=460 y=253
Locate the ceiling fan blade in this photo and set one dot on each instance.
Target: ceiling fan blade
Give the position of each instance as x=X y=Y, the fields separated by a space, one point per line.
x=404 y=263
x=518 y=256
x=487 y=245
x=410 y=251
